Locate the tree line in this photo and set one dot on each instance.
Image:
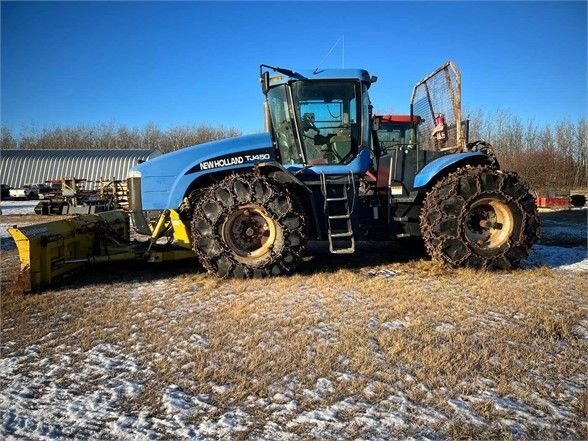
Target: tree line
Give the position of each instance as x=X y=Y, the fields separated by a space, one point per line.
x=547 y=156
x=110 y=136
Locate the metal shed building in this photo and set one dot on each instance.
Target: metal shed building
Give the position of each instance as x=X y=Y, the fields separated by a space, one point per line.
x=21 y=167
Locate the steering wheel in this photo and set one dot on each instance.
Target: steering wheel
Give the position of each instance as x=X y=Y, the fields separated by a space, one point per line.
x=308 y=124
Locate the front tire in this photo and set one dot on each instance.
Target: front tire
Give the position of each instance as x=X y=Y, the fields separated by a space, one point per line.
x=480 y=218
x=248 y=225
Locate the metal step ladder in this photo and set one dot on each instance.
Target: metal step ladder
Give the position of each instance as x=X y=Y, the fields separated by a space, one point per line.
x=338 y=212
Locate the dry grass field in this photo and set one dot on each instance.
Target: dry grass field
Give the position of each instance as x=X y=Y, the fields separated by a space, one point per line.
x=380 y=345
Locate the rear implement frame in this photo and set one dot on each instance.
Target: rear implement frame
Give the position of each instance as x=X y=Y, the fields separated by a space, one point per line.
x=50 y=251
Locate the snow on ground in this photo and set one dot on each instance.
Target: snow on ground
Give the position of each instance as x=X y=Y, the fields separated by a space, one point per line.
x=18 y=207
x=564 y=241
x=561 y=258
x=14 y=209
x=55 y=389
x=46 y=409
x=93 y=393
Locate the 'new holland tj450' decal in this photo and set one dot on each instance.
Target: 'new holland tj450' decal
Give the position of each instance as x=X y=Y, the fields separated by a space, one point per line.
x=234 y=159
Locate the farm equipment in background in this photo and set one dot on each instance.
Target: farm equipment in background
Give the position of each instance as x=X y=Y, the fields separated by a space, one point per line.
x=5 y=192
x=578 y=197
x=52 y=189
x=324 y=171
x=554 y=203
x=69 y=196
x=562 y=200
x=26 y=192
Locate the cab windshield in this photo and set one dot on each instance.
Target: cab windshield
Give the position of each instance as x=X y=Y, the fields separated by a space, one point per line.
x=316 y=122
x=327 y=115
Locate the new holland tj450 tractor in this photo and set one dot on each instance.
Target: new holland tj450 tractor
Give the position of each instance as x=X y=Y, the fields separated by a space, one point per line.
x=325 y=170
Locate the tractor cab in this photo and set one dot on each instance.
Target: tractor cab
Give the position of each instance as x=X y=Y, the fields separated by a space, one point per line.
x=366 y=173
x=319 y=120
x=396 y=132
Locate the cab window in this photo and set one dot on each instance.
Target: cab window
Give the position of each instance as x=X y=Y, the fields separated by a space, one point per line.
x=282 y=125
x=328 y=117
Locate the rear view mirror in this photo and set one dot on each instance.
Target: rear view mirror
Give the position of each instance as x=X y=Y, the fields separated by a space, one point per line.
x=264 y=79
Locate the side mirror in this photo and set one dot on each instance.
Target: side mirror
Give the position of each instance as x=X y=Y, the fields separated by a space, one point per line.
x=264 y=80
x=376 y=124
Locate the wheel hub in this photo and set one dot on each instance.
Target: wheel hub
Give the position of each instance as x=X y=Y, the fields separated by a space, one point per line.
x=249 y=231
x=488 y=223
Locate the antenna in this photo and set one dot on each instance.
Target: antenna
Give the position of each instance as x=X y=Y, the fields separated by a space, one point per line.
x=340 y=39
x=343 y=51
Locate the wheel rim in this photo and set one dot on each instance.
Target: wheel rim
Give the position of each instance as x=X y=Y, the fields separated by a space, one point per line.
x=249 y=231
x=489 y=223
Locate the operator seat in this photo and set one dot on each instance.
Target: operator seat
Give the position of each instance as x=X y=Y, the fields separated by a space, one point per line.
x=341 y=144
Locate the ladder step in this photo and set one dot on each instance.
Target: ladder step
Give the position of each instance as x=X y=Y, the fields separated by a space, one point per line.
x=343 y=251
x=406 y=219
x=346 y=234
x=336 y=199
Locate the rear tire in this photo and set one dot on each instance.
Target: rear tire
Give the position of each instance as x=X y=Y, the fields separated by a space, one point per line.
x=480 y=218
x=248 y=225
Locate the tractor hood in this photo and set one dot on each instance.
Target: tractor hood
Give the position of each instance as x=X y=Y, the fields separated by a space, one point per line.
x=165 y=179
x=177 y=163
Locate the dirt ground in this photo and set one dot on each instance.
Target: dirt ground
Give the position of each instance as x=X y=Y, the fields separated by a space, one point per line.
x=383 y=344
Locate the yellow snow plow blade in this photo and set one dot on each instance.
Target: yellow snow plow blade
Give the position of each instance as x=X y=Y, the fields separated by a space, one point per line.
x=51 y=250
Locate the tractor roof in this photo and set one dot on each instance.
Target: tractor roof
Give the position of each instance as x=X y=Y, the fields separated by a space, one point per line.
x=400 y=118
x=323 y=74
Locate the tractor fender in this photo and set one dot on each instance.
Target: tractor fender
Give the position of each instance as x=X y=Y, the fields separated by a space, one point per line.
x=167 y=179
x=276 y=171
x=445 y=164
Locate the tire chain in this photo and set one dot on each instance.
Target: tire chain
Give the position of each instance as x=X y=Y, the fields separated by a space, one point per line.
x=271 y=192
x=485 y=148
x=447 y=188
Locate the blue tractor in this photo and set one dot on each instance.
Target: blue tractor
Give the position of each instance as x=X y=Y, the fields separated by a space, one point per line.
x=320 y=172
x=327 y=170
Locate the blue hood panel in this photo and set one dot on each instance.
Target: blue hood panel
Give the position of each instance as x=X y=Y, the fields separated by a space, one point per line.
x=175 y=163
x=165 y=179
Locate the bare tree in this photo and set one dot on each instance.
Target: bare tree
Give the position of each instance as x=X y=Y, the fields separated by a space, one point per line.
x=8 y=141
x=109 y=136
x=548 y=157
